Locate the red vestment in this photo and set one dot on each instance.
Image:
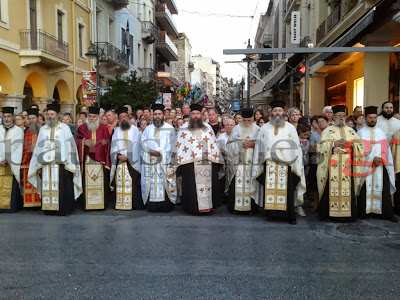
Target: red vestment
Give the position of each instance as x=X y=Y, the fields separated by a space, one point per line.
x=31 y=197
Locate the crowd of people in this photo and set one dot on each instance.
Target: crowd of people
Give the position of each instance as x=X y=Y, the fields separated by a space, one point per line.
x=344 y=167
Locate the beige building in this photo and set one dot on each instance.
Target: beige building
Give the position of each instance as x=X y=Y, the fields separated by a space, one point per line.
x=42 y=52
x=342 y=78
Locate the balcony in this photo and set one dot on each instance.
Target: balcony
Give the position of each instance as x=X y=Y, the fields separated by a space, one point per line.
x=115 y=58
x=149 y=74
x=166 y=47
x=42 y=47
x=149 y=32
x=171 y=6
x=290 y=5
x=118 y=4
x=165 y=20
x=337 y=16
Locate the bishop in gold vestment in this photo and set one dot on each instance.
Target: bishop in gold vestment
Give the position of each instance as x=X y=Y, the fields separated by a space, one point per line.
x=338 y=175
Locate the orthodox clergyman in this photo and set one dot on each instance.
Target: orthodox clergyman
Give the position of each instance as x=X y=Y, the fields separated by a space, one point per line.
x=158 y=188
x=11 y=147
x=279 y=182
x=55 y=158
x=125 y=160
x=93 y=141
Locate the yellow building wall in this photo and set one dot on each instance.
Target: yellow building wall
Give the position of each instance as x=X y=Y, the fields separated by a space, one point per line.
x=41 y=77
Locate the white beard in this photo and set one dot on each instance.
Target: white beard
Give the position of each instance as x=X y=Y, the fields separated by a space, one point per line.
x=93 y=126
x=279 y=122
x=340 y=123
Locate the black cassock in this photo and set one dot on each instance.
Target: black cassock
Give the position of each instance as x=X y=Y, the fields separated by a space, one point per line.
x=17 y=201
x=387 y=210
x=189 y=194
x=324 y=205
x=292 y=182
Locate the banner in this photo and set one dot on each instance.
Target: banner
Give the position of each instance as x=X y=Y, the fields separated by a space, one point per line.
x=236 y=105
x=89 y=88
x=167 y=100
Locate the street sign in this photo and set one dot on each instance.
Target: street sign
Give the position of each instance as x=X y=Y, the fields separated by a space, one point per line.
x=163 y=74
x=295 y=28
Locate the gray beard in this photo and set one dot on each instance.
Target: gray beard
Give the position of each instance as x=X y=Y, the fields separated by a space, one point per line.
x=51 y=123
x=8 y=124
x=340 y=123
x=278 y=122
x=125 y=126
x=195 y=124
x=158 y=123
x=93 y=126
x=246 y=125
x=34 y=127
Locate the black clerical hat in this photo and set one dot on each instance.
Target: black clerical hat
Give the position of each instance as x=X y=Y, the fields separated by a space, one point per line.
x=8 y=110
x=247 y=112
x=94 y=110
x=158 y=106
x=196 y=107
x=339 y=108
x=371 y=110
x=32 y=112
x=53 y=107
x=122 y=110
x=277 y=103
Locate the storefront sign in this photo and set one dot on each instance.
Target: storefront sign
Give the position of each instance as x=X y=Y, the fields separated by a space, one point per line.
x=295 y=28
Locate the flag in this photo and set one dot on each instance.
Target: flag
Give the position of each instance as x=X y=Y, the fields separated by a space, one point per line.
x=127 y=40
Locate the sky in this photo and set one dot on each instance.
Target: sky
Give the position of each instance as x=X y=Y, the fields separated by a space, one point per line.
x=209 y=34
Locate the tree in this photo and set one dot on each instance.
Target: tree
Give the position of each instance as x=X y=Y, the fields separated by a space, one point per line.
x=132 y=90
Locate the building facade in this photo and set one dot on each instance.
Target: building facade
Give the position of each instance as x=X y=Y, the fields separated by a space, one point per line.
x=42 y=52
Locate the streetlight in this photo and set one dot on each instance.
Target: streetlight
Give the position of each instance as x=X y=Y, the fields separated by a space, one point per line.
x=94 y=52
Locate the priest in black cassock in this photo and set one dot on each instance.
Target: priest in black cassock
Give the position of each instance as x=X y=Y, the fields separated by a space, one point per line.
x=278 y=181
x=126 y=164
x=199 y=161
x=11 y=148
x=54 y=169
x=378 y=180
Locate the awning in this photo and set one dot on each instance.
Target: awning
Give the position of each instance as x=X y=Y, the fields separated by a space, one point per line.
x=276 y=75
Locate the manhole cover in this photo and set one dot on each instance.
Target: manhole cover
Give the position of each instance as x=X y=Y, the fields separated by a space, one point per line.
x=362 y=230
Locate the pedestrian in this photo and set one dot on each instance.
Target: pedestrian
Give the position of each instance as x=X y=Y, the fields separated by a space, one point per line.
x=11 y=149
x=238 y=118
x=278 y=179
x=328 y=112
x=54 y=168
x=294 y=115
x=258 y=113
x=359 y=122
x=20 y=121
x=159 y=192
x=213 y=120
x=303 y=131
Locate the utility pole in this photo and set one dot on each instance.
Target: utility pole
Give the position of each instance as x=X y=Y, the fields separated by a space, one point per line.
x=248 y=74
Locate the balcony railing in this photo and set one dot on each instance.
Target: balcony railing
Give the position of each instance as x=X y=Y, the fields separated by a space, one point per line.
x=163 y=67
x=163 y=8
x=119 y=4
x=114 y=55
x=40 y=40
x=337 y=15
x=164 y=38
x=149 y=31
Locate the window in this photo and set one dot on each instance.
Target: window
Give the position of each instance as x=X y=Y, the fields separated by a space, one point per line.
x=358 y=92
x=131 y=50
x=4 y=13
x=60 y=16
x=111 y=31
x=80 y=39
x=123 y=37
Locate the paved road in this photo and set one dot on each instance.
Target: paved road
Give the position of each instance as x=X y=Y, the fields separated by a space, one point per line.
x=137 y=255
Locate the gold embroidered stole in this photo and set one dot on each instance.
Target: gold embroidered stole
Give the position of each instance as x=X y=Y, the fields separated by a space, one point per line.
x=94 y=184
x=6 y=183
x=243 y=179
x=50 y=182
x=31 y=197
x=339 y=183
x=275 y=186
x=124 y=183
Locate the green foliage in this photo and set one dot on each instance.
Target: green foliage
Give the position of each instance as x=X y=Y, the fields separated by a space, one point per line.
x=132 y=90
